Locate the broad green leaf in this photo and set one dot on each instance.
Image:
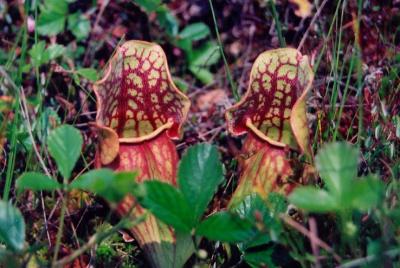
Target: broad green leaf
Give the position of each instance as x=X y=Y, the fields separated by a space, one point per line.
x=199 y=174
x=88 y=73
x=109 y=185
x=167 y=204
x=38 y=54
x=195 y=31
x=64 y=145
x=313 y=200
x=37 y=182
x=337 y=165
x=12 y=227
x=79 y=25
x=55 y=51
x=366 y=192
x=226 y=227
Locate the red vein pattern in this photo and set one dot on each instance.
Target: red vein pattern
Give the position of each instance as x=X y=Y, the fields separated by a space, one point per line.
x=273 y=114
x=277 y=80
x=138 y=96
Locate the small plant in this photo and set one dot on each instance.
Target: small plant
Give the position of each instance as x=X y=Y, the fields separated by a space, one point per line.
x=64 y=145
x=139 y=111
x=273 y=113
x=345 y=193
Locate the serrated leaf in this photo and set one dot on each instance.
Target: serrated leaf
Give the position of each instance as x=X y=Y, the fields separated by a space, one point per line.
x=37 y=182
x=52 y=17
x=88 y=73
x=226 y=227
x=199 y=174
x=12 y=227
x=64 y=145
x=195 y=31
x=312 y=199
x=167 y=204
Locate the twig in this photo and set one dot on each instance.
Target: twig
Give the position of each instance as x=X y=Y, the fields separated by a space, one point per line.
x=307 y=233
x=316 y=15
x=221 y=49
x=314 y=234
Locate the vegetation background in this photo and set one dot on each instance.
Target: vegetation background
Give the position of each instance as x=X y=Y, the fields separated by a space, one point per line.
x=51 y=52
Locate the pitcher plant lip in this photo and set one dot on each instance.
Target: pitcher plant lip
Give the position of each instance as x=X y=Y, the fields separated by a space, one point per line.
x=137 y=99
x=172 y=125
x=273 y=82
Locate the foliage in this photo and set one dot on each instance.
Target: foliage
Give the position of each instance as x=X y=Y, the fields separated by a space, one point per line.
x=337 y=165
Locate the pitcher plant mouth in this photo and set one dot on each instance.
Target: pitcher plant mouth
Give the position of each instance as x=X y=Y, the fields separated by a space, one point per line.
x=273 y=107
x=137 y=99
x=273 y=114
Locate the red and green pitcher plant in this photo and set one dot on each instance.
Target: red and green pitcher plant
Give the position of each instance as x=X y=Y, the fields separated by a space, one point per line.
x=139 y=112
x=273 y=114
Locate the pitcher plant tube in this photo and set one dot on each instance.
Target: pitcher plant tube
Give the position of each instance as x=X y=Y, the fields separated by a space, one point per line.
x=273 y=114
x=139 y=112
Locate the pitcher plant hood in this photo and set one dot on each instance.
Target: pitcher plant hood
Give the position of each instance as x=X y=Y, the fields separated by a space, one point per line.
x=274 y=106
x=137 y=99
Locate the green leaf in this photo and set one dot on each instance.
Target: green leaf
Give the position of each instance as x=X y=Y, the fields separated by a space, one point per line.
x=79 y=25
x=88 y=73
x=12 y=226
x=55 y=51
x=37 y=182
x=257 y=210
x=167 y=20
x=367 y=192
x=64 y=145
x=337 y=165
x=149 y=5
x=312 y=199
x=167 y=204
x=251 y=205
x=39 y=55
x=199 y=174
x=59 y=7
x=109 y=185
x=226 y=227
x=52 y=17
x=260 y=258
x=195 y=31
x=205 y=56
x=204 y=75
x=50 y=24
